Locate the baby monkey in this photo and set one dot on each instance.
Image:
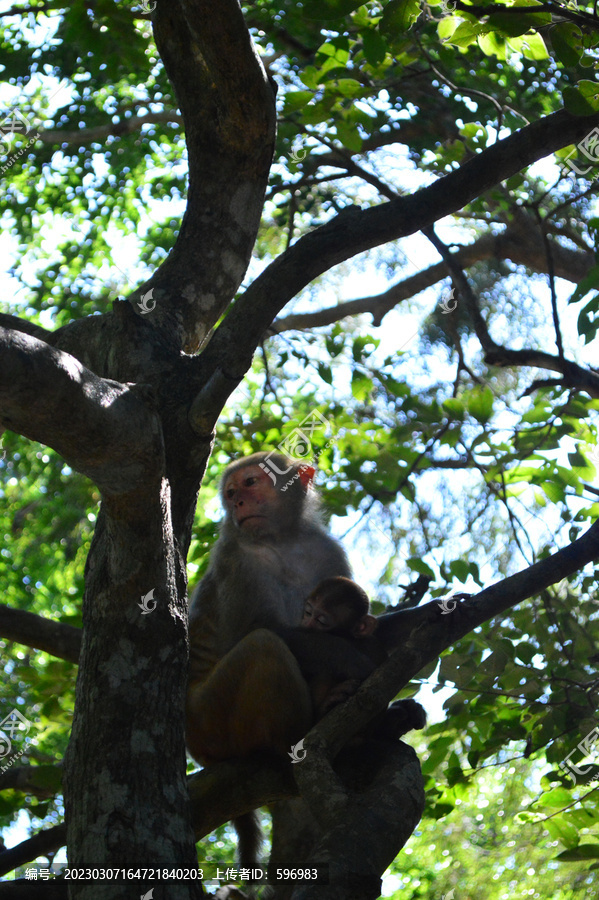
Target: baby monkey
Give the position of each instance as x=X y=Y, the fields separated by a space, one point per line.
x=337 y=648
x=340 y=606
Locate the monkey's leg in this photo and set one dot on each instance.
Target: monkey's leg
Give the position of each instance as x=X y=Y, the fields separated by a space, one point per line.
x=254 y=698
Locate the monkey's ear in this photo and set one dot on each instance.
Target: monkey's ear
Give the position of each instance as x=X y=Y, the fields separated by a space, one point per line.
x=306 y=475
x=365 y=627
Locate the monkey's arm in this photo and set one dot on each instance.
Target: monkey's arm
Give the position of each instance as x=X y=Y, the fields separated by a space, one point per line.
x=329 y=664
x=320 y=654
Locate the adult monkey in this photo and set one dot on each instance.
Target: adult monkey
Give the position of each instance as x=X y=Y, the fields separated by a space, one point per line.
x=245 y=689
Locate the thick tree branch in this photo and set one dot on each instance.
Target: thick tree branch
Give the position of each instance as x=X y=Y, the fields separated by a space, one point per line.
x=389 y=797
x=16 y=324
x=62 y=641
x=48 y=841
x=355 y=230
x=228 y=108
x=575 y=377
x=41 y=781
x=572 y=265
x=126 y=125
x=361 y=830
x=104 y=429
x=582 y=18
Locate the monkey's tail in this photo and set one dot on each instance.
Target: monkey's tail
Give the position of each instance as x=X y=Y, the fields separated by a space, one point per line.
x=249 y=839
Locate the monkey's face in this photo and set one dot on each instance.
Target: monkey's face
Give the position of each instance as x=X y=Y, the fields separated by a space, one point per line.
x=251 y=500
x=319 y=618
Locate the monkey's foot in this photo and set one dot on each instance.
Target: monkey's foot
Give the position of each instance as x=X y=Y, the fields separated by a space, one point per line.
x=402 y=716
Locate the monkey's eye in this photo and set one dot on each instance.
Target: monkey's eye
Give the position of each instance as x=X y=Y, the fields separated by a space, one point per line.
x=250 y=480
x=229 y=493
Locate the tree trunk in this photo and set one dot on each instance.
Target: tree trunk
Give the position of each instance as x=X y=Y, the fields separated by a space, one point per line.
x=127 y=735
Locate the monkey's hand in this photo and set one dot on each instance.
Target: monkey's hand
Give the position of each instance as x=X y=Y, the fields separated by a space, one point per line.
x=402 y=716
x=341 y=692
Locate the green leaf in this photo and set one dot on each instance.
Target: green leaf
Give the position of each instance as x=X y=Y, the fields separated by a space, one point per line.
x=563 y=831
x=455 y=408
x=317 y=112
x=348 y=134
x=556 y=799
x=566 y=39
x=447 y=26
x=361 y=386
x=582 y=100
x=553 y=491
x=399 y=16
x=338 y=49
x=363 y=346
x=588 y=320
x=533 y=47
x=590 y=281
x=582 y=852
x=513 y=26
x=348 y=87
x=577 y=460
x=493 y=44
x=375 y=46
x=325 y=373
x=295 y=100
x=465 y=34
x=476 y=135
x=460 y=569
x=417 y=565
x=525 y=651
x=480 y=404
